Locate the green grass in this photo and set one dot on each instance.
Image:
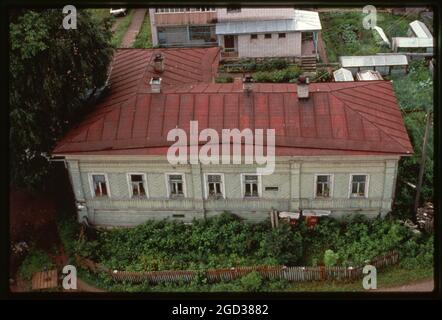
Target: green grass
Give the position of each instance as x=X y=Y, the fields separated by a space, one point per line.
x=119 y=33
x=387 y=278
x=143 y=39
x=344 y=34
x=100 y=13
x=391 y=277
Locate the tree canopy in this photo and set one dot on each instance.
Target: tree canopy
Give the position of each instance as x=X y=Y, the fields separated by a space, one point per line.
x=52 y=73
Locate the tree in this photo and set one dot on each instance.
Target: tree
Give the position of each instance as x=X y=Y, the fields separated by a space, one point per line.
x=52 y=73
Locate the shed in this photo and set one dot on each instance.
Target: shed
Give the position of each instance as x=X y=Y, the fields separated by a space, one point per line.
x=343 y=75
x=412 y=43
x=369 y=75
x=419 y=29
x=381 y=33
x=385 y=64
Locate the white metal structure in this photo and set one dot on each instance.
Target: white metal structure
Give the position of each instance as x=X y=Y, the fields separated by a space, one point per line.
x=420 y=30
x=374 y=61
x=368 y=75
x=381 y=33
x=404 y=42
x=343 y=75
x=302 y=21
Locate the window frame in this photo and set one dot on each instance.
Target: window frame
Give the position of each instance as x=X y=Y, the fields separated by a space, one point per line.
x=91 y=184
x=183 y=175
x=266 y=34
x=233 y=10
x=243 y=189
x=206 y=184
x=315 y=185
x=253 y=35
x=282 y=33
x=129 y=184
x=350 y=185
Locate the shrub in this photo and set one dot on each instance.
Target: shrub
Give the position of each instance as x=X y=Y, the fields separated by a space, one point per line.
x=68 y=229
x=224 y=80
x=284 y=75
x=36 y=260
x=252 y=282
x=330 y=258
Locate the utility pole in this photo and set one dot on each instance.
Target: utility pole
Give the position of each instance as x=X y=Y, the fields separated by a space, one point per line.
x=422 y=162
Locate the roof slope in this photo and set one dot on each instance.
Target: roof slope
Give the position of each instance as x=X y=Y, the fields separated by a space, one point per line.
x=338 y=118
x=131 y=68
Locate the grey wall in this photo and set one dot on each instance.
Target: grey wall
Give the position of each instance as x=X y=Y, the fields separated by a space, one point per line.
x=294 y=179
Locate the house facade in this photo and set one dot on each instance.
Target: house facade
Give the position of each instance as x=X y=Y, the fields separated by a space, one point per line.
x=337 y=147
x=240 y=32
x=267 y=32
x=183 y=27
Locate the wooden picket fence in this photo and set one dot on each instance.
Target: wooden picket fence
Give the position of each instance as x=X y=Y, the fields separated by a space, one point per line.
x=294 y=274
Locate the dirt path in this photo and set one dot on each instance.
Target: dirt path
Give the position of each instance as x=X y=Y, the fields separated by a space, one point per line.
x=421 y=286
x=134 y=28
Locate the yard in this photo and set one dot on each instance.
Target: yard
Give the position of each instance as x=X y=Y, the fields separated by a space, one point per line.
x=144 y=37
x=344 y=34
x=225 y=241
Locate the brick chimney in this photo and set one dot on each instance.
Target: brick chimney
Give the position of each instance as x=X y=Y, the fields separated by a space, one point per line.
x=303 y=90
x=158 y=63
x=155 y=84
x=247 y=83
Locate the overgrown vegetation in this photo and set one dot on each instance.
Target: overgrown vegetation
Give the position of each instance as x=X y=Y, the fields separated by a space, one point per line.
x=222 y=241
x=415 y=96
x=52 y=72
x=224 y=79
x=35 y=261
x=344 y=34
x=252 y=65
x=225 y=241
x=350 y=242
x=289 y=74
x=143 y=39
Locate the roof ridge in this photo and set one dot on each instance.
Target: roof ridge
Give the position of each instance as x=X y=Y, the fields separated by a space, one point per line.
x=371 y=122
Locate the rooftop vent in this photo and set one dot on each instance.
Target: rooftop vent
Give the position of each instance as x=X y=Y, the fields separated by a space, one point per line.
x=247 y=83
x=155 y=85
x=303 y=92
x=158 y=63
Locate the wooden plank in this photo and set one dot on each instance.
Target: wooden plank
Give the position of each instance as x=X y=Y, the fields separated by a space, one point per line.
x=45 y=280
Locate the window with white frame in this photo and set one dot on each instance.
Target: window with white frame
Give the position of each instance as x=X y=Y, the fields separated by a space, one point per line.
x=251 y=185
x=177 y=10
x=323 y=185
x=99 y=185
x=137 y=185
x=358 y=185
x=176 y=185
x=214 y=186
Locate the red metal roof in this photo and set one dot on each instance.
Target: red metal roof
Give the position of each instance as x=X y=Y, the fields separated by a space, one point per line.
x=338 y=118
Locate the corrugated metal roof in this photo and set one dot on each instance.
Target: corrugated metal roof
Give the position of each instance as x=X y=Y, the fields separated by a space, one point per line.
x=368 y=75
x=343 y=75
x=374 y=60
x=412 y=42
x=339 y=118
x=420 y=29
x=302 y=21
